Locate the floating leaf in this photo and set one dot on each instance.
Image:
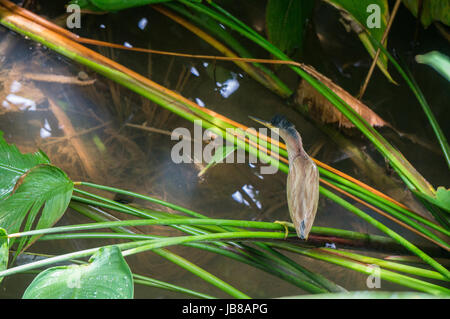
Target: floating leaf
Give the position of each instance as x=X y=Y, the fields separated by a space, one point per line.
x=286 y=21
x=4 y=252
x=369 y=15
x=28 y=184
x=107 y=276
x=432 y=10
x=438 y=61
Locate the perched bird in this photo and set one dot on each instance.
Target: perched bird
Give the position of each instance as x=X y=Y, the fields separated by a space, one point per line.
x=303 y=178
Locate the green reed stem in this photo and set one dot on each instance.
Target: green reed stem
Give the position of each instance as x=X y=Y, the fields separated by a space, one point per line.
x=147 y=281
x=389 y=264
x=368 y=270
x=389 y=232
x=393 y=212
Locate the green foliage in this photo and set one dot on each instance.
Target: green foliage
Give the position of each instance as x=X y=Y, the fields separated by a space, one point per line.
x=14 y=164
x=441 y=199
x=408 y=173
x=286 y=21
x=29 y=183
x=3 y=251
x=113 y=5
x=54 y=282
x=432 y=10
x=367 y=295
x=359 y=11
x=408 y=77
x=438 y=61
x=107 y=276
x=259 y=72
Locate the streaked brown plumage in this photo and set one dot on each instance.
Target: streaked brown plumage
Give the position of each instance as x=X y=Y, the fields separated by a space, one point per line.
x=303 y=178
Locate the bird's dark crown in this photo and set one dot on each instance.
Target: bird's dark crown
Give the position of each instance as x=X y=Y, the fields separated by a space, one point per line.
x=281 y=122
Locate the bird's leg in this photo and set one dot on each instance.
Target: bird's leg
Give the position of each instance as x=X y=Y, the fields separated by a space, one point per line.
x=285 y=225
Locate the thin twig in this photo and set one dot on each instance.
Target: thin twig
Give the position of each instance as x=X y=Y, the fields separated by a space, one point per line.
x=375 y=59
x=86 y=131
x=159 y=131
x=54 y=78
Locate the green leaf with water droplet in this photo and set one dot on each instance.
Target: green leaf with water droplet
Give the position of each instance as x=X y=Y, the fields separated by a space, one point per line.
x=3 y=250
x=106 y=276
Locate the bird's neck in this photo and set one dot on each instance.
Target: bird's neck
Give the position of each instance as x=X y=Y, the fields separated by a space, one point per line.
x=294 y=146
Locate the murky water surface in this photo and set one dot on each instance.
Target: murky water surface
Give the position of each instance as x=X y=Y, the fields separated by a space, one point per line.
x=108 y=144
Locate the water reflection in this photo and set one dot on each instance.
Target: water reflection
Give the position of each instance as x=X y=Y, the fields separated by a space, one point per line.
x=21 y=102
x=194 y=71
x=142 y=23
x=229 y=86
x=199 y=102
x=251 y=193
x=46 y=130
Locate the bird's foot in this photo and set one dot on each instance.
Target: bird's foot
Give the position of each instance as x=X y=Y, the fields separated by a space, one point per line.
x=285 y=225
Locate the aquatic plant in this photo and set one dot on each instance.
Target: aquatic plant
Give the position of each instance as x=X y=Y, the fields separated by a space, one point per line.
x=35 y=194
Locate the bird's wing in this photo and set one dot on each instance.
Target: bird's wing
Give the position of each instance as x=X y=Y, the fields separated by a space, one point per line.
x=303 y=194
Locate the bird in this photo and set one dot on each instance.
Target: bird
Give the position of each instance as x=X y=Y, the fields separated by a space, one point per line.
x=302 y=187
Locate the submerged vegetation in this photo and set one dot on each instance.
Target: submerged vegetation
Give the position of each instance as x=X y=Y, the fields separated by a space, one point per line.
x=35 y=193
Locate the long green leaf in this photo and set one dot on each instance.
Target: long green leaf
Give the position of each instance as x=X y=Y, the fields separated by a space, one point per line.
x=113 y=5
x=389 y=232
x=371 y=16
x=397 y=160
x=368 y=270
x=407 y=76
x=4 y=250
x=143 y=280
x=368 y=295
x=438 y=61
x=432 y=10
x=286 y=21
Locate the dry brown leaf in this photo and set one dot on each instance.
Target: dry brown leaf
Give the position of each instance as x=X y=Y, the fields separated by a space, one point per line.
x=324 y=111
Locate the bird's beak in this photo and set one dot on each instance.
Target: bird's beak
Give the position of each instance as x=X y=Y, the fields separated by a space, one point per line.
x=268 y=124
